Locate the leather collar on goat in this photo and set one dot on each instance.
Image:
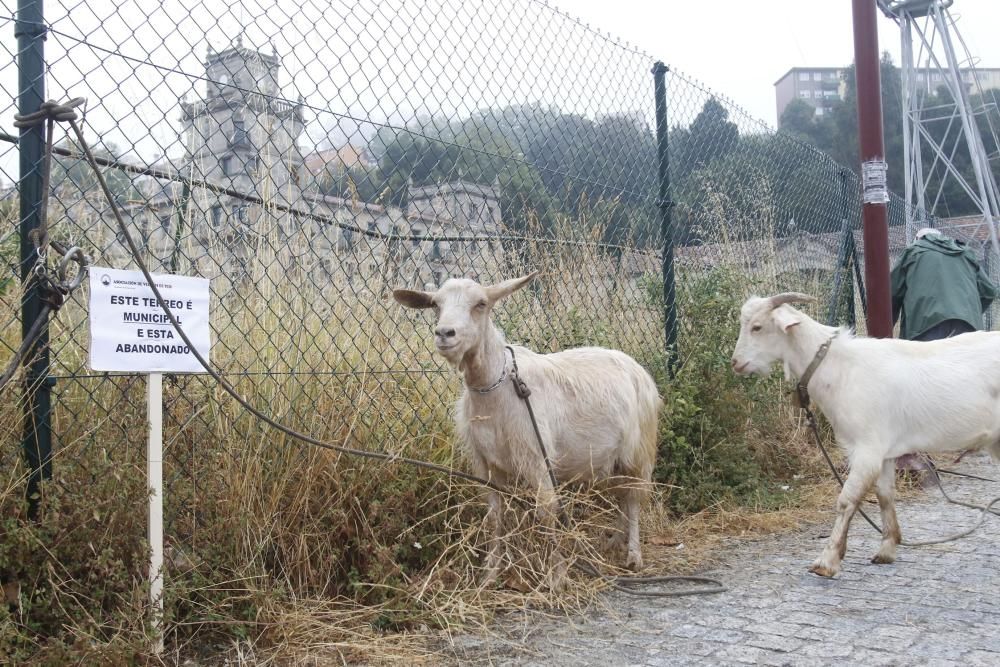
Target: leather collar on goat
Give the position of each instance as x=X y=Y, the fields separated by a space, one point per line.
x=802 y=390
x=504 y=374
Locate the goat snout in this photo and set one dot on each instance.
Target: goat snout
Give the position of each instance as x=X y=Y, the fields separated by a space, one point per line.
x=444 y=332
x=737 y=366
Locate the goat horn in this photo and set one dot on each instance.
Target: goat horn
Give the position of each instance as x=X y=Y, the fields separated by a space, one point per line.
x=790 y=297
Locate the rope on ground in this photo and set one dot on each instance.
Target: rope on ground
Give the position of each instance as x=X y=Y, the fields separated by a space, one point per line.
x=624 y=584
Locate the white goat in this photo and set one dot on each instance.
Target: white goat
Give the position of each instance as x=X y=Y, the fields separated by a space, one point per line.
x=596 y=409
x=883 y=397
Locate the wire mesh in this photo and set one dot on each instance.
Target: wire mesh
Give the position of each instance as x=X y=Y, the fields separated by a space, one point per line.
x=309 y=160
x=308 y=163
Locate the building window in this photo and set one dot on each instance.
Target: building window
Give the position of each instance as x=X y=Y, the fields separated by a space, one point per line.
x=819 y=111
x=803 y=76
x=436 y=251
x=227 y=165
x=804 y=94
x=241 y=213
x=817 y=76
x=240 y=132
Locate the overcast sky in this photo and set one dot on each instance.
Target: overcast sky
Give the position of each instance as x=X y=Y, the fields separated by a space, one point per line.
x=366 y=62
x=740 y=48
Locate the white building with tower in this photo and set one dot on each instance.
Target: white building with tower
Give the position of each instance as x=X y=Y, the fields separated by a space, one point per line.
x=243 y=137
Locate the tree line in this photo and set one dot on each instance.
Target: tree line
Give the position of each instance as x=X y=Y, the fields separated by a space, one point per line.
x=555 y=170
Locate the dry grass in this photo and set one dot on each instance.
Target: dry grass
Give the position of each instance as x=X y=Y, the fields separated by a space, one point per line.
x=289 y=555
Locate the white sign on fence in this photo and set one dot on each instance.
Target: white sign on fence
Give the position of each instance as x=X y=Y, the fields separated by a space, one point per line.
x=129 y=330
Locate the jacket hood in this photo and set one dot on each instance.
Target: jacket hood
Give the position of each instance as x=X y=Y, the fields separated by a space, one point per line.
x=940 y=243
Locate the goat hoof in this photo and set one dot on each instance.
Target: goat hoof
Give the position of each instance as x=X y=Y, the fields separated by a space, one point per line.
x=824 y=571
x=883 y=559
x=634 y=563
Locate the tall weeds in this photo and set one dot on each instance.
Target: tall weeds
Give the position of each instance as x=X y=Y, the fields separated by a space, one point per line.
x=276 y=549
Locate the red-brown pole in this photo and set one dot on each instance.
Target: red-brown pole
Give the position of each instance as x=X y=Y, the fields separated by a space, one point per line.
x=875 y=193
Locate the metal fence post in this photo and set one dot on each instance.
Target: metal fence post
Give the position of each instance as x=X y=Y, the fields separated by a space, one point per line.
x=664 y=205
x=29 y=29
x=846 y=258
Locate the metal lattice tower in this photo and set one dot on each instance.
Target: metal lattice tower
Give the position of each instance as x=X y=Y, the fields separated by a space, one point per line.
x=931 y=48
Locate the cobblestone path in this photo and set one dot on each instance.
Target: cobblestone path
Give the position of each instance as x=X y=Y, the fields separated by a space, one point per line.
x=936 y=605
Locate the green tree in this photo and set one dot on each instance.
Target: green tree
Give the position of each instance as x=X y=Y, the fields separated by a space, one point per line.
x=800 y=120
x=72 y=178
x=547 y=164
x=713 y=135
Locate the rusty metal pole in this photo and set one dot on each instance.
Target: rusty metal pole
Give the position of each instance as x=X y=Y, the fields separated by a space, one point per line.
x=874 y=189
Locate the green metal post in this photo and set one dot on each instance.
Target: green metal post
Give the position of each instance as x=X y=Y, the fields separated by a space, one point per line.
x=664 y=205
x=30 y=30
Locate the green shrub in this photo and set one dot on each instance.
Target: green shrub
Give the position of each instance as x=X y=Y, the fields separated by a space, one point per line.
x=711 y=443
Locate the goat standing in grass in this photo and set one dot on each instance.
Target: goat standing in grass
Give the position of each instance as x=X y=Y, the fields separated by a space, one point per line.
x=596 y=410
x=883 y=397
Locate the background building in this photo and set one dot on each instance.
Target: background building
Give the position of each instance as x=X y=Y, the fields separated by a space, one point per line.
x=819 y=86
x=824 y=86
x=243 y=137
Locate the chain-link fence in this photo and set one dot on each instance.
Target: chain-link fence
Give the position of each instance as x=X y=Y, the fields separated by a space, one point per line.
x=309 y=160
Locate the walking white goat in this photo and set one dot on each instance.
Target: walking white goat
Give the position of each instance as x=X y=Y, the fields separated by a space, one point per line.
x=596 y=409
x=883 y=397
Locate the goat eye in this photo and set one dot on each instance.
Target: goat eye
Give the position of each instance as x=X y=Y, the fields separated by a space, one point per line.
x=481 y=305
x=756 y=327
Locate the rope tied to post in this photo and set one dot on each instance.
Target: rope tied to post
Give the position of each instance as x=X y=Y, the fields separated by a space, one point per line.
x=49 y=113
x=52 y=289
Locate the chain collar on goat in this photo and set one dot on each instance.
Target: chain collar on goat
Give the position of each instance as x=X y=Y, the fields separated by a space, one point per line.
x=801 y=394
x=504 y=374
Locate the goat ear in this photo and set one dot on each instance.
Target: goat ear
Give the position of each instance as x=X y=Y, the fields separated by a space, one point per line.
x=413 y=298
x=786 y=319
x=508 y=287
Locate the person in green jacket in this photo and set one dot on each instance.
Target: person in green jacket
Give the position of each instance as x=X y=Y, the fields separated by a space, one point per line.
x=938 y=289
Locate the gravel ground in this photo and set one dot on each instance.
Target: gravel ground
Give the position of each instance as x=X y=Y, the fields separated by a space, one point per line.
x=935 y=605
